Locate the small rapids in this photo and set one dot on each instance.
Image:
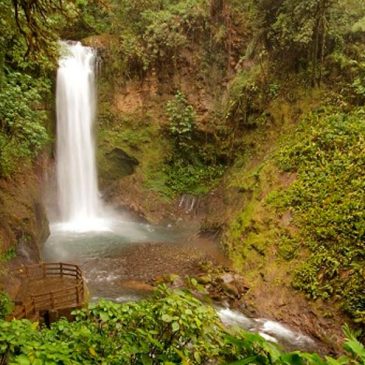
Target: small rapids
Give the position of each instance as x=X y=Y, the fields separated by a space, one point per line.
x=270 y=330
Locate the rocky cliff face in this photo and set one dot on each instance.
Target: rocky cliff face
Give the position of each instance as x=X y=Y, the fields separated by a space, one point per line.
x=23 y=221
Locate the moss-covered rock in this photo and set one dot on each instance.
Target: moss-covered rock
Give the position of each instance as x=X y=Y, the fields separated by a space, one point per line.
x=117 y=164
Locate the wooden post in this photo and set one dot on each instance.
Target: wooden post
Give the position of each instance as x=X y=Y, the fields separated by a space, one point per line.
x=77 y=294
x=33 y=306
x=44 y=270
x=33 y=303
x=52 y=300
x=61 y=266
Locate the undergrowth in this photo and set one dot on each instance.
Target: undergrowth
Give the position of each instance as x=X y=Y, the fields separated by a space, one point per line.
x=6 y=306
x=328 y=203
x=191 y=167
x=172 y=327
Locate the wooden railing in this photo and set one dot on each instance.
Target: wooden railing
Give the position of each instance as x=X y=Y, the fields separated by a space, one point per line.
x=70 y=296
x=44 y=270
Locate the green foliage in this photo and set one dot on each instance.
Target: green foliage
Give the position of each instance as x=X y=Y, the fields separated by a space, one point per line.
x=352 y=344
x=85 y=18
x=182 y=119
x=359 y=26
x=172 y=327
x=358 y=86
x=292 y=28
x=247 y=98
x=301 y=36
x=6 y=306
x=189 y=169
x=191 y=178
x=8 y=254
x=351 y=67
x=163 y=35
x=328 y=201
x=159 y=329
x=151 y=34
x=248 y=348
x=28 y=53
x=38 y=23
x=21 y=118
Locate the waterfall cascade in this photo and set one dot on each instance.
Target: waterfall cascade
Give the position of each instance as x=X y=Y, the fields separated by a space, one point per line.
x=78 y=196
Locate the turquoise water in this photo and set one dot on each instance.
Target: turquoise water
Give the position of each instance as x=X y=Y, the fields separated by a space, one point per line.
x=102 y=254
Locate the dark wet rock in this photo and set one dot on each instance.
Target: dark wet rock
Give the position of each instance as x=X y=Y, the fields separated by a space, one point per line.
x=204 y=279
x=116 y=164
x=230 y=290
x=217 y=282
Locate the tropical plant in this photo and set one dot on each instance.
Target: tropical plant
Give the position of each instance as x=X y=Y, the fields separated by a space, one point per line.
x=172 y=327
x=28 y=53
x=181 y=116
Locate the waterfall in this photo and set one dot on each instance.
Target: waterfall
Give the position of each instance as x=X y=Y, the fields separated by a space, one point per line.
x=77 y=189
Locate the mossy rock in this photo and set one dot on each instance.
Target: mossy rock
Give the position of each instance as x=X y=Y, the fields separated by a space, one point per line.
x=117 y=164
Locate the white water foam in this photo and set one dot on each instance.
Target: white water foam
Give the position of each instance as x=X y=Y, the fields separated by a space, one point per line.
x=270 y=330
x=231 y=318
x=282 y=332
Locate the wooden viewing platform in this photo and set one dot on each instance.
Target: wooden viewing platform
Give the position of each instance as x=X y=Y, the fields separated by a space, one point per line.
x=48 y=287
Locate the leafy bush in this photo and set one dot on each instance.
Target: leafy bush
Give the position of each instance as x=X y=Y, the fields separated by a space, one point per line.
x=189 y=169
x=8 y=254
x=247 y=98
x=170 y=328
x=6 y=305
x=358 y=87
x=181 y=116
x=28 y=54
x=328 y=199
x=151 y=34
x=22 y=133
x=191 y=178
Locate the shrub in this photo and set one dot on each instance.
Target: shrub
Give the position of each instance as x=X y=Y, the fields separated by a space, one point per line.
x=189 y=168
x=328 y=200
x=22 y=131
x=181 y=116
x=172 y=327
x=6 y=305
